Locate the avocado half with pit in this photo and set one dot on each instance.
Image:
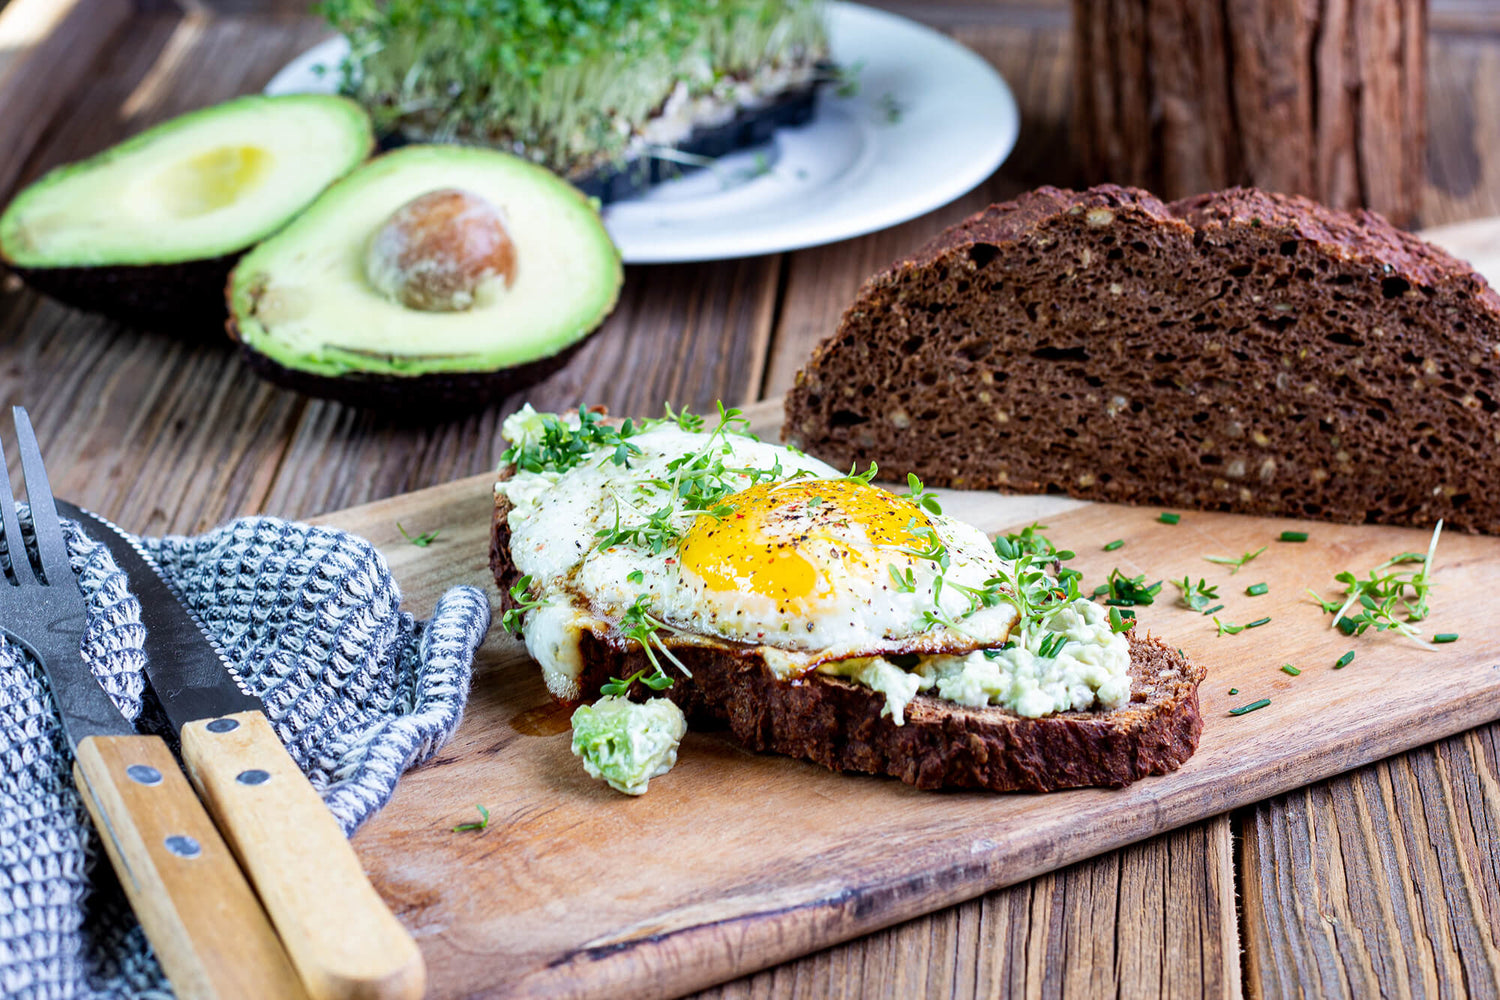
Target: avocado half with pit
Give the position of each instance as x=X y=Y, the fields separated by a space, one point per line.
x=147 y=231
x=430 y=277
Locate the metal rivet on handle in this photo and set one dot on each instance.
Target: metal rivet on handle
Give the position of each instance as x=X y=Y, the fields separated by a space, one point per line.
x=143 y=774
x=183 y=846
x=222 y=726
x=254 y=776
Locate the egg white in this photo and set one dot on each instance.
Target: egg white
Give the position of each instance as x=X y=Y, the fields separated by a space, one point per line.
x=805 y=570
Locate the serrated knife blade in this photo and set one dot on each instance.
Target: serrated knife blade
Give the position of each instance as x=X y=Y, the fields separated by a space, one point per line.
x=188 y=671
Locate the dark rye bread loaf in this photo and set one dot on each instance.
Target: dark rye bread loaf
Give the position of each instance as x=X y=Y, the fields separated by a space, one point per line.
x=1236 y=351
x=838 y=723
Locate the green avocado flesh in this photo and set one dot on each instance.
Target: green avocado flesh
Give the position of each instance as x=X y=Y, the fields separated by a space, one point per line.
x=203 y=185
x=303 y=299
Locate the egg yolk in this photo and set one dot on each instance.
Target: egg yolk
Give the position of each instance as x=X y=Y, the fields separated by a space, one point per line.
x=777 y=535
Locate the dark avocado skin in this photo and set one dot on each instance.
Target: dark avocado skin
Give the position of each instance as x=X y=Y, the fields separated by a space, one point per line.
x=186 y=299
x=412 y=398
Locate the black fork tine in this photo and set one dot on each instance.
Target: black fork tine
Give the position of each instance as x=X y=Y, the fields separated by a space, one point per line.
x=14 y=545
x=49 y=537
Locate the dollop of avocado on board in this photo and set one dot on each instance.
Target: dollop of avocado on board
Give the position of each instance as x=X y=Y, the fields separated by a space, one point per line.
x=147 y=230
x=432 y=275
x=626 y=743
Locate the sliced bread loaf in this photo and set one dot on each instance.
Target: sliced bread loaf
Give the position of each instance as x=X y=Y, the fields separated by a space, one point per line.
x=1236 y=351
x=839 y=723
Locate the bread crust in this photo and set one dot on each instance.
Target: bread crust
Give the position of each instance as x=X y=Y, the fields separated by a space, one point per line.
x=1235 y=351
x=838 y=723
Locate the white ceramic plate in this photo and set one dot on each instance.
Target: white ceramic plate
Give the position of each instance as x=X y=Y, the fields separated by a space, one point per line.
x=930 y=121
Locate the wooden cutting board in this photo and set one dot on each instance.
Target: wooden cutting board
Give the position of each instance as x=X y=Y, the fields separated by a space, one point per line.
x=736 y=861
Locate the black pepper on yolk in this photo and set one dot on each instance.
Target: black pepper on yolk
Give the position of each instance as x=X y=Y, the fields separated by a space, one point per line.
x=778 y=534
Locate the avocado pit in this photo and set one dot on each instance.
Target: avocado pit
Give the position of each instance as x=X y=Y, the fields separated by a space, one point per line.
x=436 y=251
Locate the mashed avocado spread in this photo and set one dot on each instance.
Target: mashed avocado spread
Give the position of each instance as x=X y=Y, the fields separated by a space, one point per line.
x=1091 y=670
x=627 y=743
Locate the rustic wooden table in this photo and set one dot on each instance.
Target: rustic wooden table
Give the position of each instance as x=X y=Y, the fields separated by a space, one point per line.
x=1386 y=879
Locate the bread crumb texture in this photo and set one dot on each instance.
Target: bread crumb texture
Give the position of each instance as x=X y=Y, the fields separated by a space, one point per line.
x=1237 y=351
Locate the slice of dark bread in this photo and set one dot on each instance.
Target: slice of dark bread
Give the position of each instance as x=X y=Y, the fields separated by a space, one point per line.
x=838 y=723
x=1236 y=351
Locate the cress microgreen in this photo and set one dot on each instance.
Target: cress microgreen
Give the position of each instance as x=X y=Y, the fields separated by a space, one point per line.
x=421 y=541
x=905 y=584
x=1227 y=628
x=1235 y=565
x=919 y=495
x=1124 y=591
x=484 y=821
x=567 y=83
x=1051 y=645
x=638 y=624
x=560 y=446
x=1196 y=596
x=521 y=594
x=1030 y=540
x=657 y=680
x=1387 y=598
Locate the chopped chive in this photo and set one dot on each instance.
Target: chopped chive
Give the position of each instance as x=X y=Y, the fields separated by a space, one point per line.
x=1294 y=536
x=1344 y=661
x=1250 y=707
x=1287 y=668
x=1256 y=589
x=1445 y=637
x=1169 y=518
x=1258 y=622
x=1346 y=625
x=1234 y=690
x=1117 y=543
x=1216 y=607
x=1127 y=613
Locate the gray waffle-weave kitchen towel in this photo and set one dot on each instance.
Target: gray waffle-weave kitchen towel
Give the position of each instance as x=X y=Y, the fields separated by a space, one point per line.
x=357 y=690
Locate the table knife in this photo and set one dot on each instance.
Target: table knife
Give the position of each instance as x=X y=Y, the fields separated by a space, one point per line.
x=208 y=930
x=342 y=939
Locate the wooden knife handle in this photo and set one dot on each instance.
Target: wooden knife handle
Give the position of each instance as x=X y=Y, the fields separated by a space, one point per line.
x=340 y=936
x=199 y=913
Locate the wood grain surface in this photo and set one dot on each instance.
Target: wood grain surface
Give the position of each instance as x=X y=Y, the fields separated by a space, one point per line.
x=172 y=437
x=733 y=880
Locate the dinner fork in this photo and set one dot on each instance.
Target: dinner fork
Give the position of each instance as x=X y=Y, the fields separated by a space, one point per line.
x=202 y=918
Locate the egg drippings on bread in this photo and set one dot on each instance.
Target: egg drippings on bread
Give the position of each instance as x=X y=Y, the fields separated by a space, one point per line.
x=677 y=532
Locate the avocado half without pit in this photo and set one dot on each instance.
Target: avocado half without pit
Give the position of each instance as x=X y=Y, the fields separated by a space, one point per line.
x=147 y=231
x=437 y=277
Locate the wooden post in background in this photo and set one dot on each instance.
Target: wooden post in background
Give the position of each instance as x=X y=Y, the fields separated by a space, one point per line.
x=1319 y=97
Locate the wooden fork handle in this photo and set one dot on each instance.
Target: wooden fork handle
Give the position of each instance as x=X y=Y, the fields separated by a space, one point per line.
x=340 y=936
x=199 y=913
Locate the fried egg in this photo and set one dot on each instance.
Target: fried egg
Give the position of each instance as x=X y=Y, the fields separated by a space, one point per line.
x=724 y=540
